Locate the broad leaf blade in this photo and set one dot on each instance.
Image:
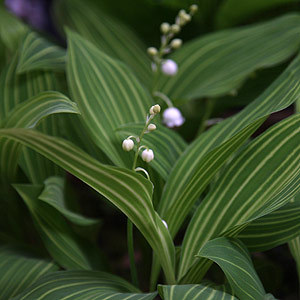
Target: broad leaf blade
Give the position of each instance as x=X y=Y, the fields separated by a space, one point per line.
x=107 y=93
x=249 y=185
x=59 y=239
x=19 y=270
x=53 y=194
x=39 y=54
x=107 y=33
x=225 y=59
x=166 y=144
x=76 y=285
x=282 y=93
x=233 y=258
x=273 y=229
x=26 y=115
x=130 y=192
x=193 y=292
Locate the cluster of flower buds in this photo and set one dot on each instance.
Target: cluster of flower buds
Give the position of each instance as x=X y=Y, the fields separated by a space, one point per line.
x=128 y=144
x=169 y=43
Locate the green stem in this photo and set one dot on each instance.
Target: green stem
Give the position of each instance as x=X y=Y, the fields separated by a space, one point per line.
x=209 y=104
x=131 y=253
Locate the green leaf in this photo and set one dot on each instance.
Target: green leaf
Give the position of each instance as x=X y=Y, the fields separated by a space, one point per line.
x=233 y=258
x=27 y=115
x=53 y=194
x=282 y=93
x=19 y=270
x=294 y=246
x=129 y=191
x=193 y=292
x=108 y=34
x=107 y=93
x=249 y=188
x=166 y=144
x=76 y=285
x=232 y=12
x=59 y=239
x=273 y=229
x=12 y=30
x=39 y=54
x=216 y=64
x=15 y=89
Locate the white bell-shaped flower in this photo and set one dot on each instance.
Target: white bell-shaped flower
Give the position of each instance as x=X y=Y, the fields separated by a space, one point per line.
x=127 y=145
x=169 y=67
x=172 y=117
x=147 y=155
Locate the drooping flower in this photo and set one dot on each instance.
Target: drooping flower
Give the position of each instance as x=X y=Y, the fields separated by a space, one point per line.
x=169 y=67
x=147 y=155
x=127 y=145
x=172 y=117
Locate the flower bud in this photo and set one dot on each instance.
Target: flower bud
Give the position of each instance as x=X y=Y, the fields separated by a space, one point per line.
x=165 y=27
x=186 y=17
x=172 y=117
x=193 y=8
x=175 y=28
x=176 y=43
x=181 y=13
x=169 y=67
x=165 y=223
x=127 y=145
x=151 y=127
x=152 y=51
x=147 y=155
x=155 y=109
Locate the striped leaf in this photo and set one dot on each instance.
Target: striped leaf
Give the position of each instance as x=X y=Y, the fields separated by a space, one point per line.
x=39 y=54
x=282 y=93
x=107 y=93
x=233 y=258
x=232 y=12
x=59 y=239
x=129 y=191
x=79 y=285
x=19 y=270
x=26 y=115
x=12 y=30
x=273 y=229
x=17 y=88
x=193 y=292
x=108 y=34
x=250 y=185
x=175 y=213
x=53 y=194
x=225 y=59
x=166 y=144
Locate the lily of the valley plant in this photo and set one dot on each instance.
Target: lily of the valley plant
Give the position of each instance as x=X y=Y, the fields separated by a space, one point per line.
x=110 y=121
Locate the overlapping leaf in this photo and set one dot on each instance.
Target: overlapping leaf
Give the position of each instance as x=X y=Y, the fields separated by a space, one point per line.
x=59 y=239
x=129 y=191
x=107 y=33
x=273 y=229
x=166 y=144
x=37 y=53
x=283 y=92
x=53 y=194
x=107 y=93
x=79 y=285
x=225 y=59
x=26 y=115
x=250 y=184
x=19 y=270
x=233 y=258
x=294 y=246
x=193 y=292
